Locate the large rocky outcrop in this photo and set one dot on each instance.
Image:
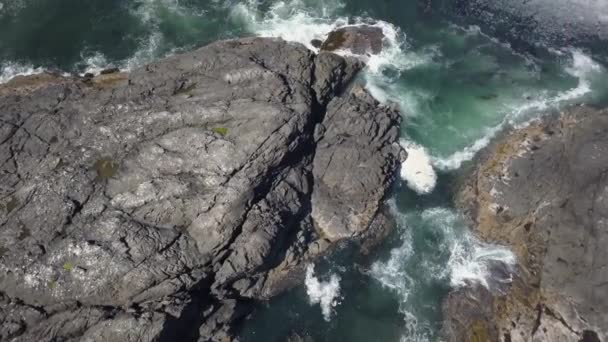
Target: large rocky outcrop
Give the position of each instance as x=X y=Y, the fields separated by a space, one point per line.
x=152 y=206
x=542 y=190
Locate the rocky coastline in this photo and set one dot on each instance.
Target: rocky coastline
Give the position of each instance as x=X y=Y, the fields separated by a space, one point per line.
x=158 y=204
x=541 y=190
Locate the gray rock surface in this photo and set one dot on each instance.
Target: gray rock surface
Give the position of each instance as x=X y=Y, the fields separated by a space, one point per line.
x=358 y=39
x=542 y=190
x=350 y=165
x=155 y=205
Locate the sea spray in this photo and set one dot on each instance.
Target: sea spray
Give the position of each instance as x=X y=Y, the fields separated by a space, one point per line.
x=291 y=21
x=93 y=63
x=463 y=257
x=10 y=70
x=324 y=293
x=437 y=250
x=148 y=50
x=469 y=259
x=417 y=170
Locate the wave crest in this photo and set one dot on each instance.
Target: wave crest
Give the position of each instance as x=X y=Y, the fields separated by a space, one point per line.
x=324 y=293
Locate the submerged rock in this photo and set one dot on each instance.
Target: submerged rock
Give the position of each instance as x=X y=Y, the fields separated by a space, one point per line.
x=542 y=190
x=152 y=206
x=359 y=39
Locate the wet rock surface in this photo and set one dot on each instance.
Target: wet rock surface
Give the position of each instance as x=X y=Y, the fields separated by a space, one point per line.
x=155 y=205
x=358 y=39
x=542 y=190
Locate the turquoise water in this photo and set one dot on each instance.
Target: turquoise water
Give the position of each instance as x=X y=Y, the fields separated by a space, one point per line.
x=456 y=86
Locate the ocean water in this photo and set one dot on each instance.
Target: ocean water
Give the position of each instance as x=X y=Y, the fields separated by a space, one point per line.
x=458 y=76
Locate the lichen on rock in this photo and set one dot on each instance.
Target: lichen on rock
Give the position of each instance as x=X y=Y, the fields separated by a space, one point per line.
x=105 y=167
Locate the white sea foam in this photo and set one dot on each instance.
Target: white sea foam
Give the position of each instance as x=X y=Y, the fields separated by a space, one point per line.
x=394 y=275
x=147 y=52
x=296 y=21
x=581 y=66
x=324 y=293
x=387 y=89
x=470 y=262
x=147 y=10
x=11 y=7
x=463 y=259
x=417 y=170
x=288 y=20
x=455 y=160
x=151 y=48
x=393 y=51
x=435 y=247
x=10 y=70
x=94 y=63
x=469 y=259
x=382 y=79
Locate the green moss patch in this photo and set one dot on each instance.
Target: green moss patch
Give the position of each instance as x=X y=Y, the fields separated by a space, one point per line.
x=68 y=266
x=12 y=204
x=223 y=131
x=106 y=168
x=478 y=332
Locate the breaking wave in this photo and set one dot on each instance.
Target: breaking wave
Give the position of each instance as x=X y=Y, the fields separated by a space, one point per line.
x=417 y=170
x=324 y=293
x=437 y=248
x=290 y=20
x=10 y=70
